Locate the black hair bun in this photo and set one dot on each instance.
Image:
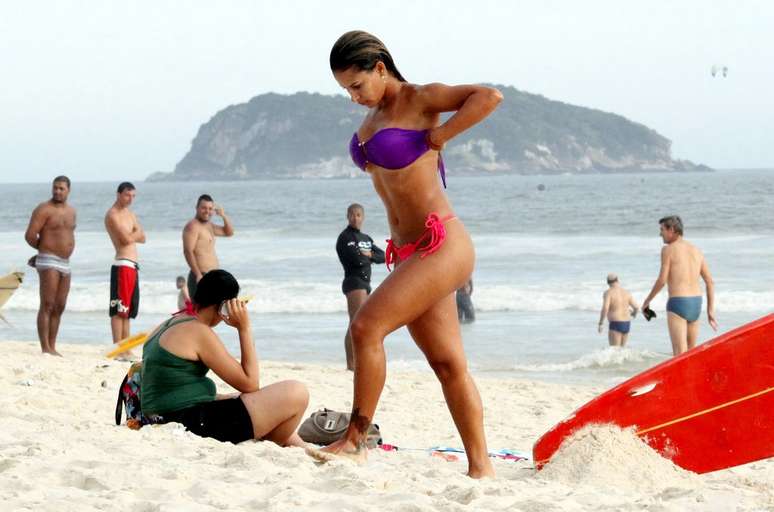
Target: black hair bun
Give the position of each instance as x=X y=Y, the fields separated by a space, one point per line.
x=214 y=287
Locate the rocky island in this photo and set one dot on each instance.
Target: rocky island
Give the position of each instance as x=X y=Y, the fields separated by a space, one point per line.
x=306 y=135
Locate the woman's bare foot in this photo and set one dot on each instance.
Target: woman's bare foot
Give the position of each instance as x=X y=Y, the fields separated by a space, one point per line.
x=295 y=440
x=343 y=448
x=484 y=470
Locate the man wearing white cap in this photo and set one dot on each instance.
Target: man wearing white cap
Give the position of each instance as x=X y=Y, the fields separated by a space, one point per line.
x=619 y=307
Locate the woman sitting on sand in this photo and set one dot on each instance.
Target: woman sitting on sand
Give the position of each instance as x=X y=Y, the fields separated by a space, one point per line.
x=399 y=145
x=182 y=350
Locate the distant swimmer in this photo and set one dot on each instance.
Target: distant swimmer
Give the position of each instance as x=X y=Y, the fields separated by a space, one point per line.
x=466 y=313
x=125 y=233
x=199 y=240
x=681 y=266
x=357 y=252
x=51 y=232
x=619 y=308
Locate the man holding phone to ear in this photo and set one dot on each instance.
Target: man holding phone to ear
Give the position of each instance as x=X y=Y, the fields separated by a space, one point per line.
x=199 y=239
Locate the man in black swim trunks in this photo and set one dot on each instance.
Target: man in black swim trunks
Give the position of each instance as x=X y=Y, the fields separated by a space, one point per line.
x=356 y=252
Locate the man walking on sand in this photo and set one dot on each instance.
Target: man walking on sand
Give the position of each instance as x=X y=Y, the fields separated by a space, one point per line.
x=125 y=232
x=619 y=308
x=51 y=232
x=199 y=240
x=681 y=266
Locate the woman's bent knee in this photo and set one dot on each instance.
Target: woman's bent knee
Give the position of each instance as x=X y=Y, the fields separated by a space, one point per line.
x=360 y=330
x=297 y=393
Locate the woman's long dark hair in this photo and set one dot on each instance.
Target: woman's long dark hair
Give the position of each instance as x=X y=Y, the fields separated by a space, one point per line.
x=362 y=50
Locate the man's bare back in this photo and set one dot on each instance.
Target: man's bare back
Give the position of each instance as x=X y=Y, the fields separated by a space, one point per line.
x=619 y=308
x=681 y=266
x=620 y=304
x=684 y=262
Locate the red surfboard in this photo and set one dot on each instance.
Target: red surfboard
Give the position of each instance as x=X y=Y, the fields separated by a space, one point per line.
x=707 y=409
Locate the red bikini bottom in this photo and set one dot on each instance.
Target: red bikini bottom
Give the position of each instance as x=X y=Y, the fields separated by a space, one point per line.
x=432 y=239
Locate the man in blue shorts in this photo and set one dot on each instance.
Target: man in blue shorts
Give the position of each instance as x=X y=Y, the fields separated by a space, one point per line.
x=619 y=308
x=681 y=266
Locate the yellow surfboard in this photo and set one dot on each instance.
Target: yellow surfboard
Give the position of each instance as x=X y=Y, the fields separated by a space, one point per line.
x=8 y=285
x=128 y=344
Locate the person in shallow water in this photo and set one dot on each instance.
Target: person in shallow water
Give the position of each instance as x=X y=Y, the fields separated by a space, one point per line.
x=399 y=144
x=466 y=313
x=619 y=307
x=681 y=266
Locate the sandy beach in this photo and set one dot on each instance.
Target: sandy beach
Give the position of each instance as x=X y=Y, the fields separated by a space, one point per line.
x=60 y=450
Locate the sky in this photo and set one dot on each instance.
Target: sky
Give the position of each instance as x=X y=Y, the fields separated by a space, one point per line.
x=109 y=91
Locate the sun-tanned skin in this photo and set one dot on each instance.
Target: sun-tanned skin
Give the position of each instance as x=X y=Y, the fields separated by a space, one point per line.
x=199 y=238
x=275 y=410
x=409 y=194
x=682 y=264
x=52 y=230
x=125 y=233
x=618 y=305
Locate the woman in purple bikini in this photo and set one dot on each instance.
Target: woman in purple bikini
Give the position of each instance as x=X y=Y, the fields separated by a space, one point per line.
x=399 y=145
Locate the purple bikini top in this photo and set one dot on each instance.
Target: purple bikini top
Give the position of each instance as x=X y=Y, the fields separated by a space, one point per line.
x=392 y=148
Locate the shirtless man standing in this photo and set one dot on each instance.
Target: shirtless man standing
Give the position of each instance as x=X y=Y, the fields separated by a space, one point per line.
x=618 y=306
x=681 y=266
x=199 y=240
x=52 y=232
x=125 y=233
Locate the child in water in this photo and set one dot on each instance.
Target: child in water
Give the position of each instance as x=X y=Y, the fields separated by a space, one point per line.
x=183 y=299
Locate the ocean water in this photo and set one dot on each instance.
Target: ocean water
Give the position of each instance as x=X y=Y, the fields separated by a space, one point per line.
x=542 y=258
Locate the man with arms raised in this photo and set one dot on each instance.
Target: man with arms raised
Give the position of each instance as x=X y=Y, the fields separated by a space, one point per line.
x=125 y=233
x=681 y=266
x=52 y=232
x=619 y=307
x=199 y=240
